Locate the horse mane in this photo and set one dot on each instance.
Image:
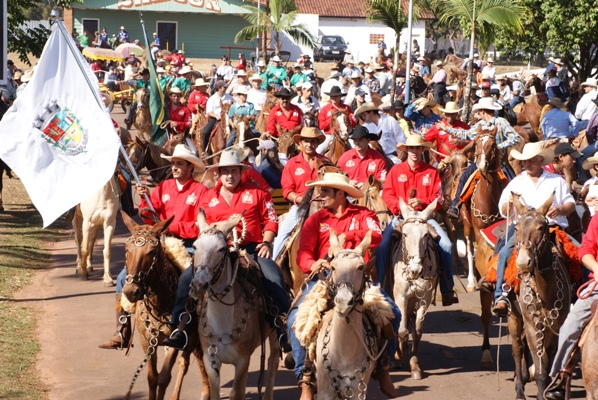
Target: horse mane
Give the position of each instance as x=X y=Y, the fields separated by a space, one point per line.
x=274 y=160
x=176 y=252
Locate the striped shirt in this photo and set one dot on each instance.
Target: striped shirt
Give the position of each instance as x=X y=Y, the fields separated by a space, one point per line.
x=505 y=135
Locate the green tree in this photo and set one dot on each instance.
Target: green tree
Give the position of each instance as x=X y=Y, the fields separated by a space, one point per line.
x=571 y=28
x=482 y=17
x=279 y=16
x=31 y=41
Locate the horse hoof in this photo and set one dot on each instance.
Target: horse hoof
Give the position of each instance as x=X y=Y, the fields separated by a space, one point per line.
x=84 y=277
x=109 y=283
x=472 y=288
x=417 y=375
x=487 y=365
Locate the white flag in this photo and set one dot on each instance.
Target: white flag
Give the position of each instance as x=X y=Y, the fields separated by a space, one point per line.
x=56 y=137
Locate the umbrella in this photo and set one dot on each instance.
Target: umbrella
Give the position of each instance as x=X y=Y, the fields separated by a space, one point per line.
x=96 y=53
x=130 y=49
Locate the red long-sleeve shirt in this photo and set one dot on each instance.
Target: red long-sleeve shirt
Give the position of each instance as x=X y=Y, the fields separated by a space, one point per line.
x=401 y=179
x=355 y=223
x=325 y=116
x=288 y=121
x=197 y=98
x=168 y=200
x=181 y=115
x=443 y=139
x=249 y=198
x=296 y=173
x=359 y=169
x=589 y=244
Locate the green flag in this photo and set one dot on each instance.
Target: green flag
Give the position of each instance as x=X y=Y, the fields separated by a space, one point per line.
x=157 y=103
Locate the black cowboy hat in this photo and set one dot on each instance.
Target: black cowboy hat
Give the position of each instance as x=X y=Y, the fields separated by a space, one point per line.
x=284 y=93
x=335 y=91
x=361 y=131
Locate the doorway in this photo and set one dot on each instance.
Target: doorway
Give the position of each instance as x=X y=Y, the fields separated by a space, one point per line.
x=167 y=32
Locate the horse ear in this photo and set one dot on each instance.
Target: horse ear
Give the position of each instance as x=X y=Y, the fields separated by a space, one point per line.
x=365 y=244
x=228 y=226
x=129 y=222
x=543 y=209
x=335 y=244
x=518 y=206
x=201 y=221
x=405 y=210
x=161 y=226
x=429 y=210
x=371 y=179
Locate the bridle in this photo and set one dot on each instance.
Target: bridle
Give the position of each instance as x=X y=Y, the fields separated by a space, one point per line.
x=535 y=248
x=140 y=239
x=333 y=287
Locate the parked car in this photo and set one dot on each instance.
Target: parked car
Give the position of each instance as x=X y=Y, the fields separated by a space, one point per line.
x=330 y=48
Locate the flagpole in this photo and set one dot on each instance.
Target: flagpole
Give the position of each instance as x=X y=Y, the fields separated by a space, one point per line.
x=98 y=98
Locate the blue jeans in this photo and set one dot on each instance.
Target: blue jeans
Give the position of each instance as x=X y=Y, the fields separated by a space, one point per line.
x=131 y=115
x=515 y=100
x=446 y=256
x=504 y=249
x=284 y=230
x=299 y=351
x=233 y=136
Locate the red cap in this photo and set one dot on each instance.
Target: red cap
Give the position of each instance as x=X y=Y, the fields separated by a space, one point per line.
x=485 y=85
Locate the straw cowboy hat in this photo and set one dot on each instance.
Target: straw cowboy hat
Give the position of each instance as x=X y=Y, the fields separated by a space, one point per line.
x=184 y=70
x=261 y=63
x=531 y=150
x=590 y=82
x=556 y=102
x=414 y=141
x=451 y=108
x=334 y=74
x=241 y=90
x=175 y=90
x=230 y=158
x=243 y=152
x=241 y=73
x=369 y=106
x=337 y=181
x=490 y=60
x=356 y=75
x=369 y=70
x=183 y=152
x=439 y=63
x=589 y=163
x=486 y=103
x=201 y=82
x=309 y=133
x=255 y=77
x=424 y=104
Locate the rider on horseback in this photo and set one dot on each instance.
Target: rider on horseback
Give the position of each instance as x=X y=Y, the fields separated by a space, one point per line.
x=362 y=161
x=391 y=133
x=214 y=110
x=142 y=83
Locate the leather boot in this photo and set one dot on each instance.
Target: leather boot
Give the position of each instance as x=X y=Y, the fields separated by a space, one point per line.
x=382 y=375
x=122 y=337
x=307 y=392
x=179 y=338
x=560 y=386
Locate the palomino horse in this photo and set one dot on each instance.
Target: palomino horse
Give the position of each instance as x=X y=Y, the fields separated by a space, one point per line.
x=543 y=299
x=350 y=352
x=93 y=213
x=416 y=265
x=142 y=119
x=372 y=199
x=200 y=119
x=231 y=309
x=340 y=131
x=154 y=265
x=482 y=212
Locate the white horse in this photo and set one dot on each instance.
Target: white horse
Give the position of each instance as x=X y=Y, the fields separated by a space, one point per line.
x=415 y=276
x=231 y=323
x=96 y=211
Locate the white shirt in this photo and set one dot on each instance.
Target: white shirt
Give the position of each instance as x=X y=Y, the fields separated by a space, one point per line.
x=518 y=86
x=226 y=71
x=490 y=71
x=130 y=71
x=213 y=104
x=506 y=93
x=535 y=195
x=585 y=108
x=311 y=106
x=257 y=98
x=351 y=94
x=591 y=181
x=391 y=133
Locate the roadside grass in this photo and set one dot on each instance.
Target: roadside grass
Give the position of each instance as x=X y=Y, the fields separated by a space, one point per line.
x=23 y=250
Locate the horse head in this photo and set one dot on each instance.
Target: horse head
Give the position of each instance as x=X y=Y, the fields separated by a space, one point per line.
x=531 y=234
x=142 y=97
x=415 y=235
x=346 y=281
x=143 y=252
x=486 y=151
x=310 y=120
x=340 y=124
x=372 y=199
x=212 y=255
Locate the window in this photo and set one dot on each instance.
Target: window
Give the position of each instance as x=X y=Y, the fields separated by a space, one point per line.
x=167 y=32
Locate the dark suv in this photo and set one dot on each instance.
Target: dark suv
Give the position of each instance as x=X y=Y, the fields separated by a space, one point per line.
x=330 y=48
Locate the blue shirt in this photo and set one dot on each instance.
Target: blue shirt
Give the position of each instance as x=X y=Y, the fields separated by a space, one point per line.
x=157 y=41
x=559 y=124
x=246 y=109
x=419 y=120
x=123 y=36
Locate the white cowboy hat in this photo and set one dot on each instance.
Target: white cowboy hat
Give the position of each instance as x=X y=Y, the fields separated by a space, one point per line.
x=557 y=61
x=242 y=152
x=356 y=75
x=160 y=70
x=485 y=77
x=589 y=163
x=452 y=87
x=439 y=63
x=230 y=158
x=490 y=60
x=334 y=74
x=266 y=145
x=297 y=65
x=241 y=90
x=306 y=85
x=183 y=152
x=450 y=108
x=276 y=59
x=421 y=58
x=184 y=70
x=337 y=181
x=369 y=106
x=369 y=70
x=241 y=73
x=486 y=103
x=175 y=89
x=531 y=150
x=590 y=82
x=414 y=141
x=256 y=77
x=261 y=63
x=201 y=82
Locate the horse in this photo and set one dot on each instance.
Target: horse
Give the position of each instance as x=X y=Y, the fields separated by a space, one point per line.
x=372 y=199
x=456 y=61
x=530 y=114
x=217 y=141
x=142 y=119
x=154 y=265
x=416 y=263
x=231 y=309
x=340 y=131
x=286 y=142
x=310 y=119
x=200 y=119
x=456 y=74
x=482 y=212
x=144 y=154
x=589 y=353
x=261 y=123
x=543 y=299
x=245 y=136
x=98 y=210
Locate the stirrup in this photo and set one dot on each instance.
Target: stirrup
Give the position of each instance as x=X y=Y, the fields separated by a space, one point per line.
x=561 y=381
x=184 y=333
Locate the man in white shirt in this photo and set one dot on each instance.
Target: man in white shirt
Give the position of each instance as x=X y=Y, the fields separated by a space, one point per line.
x=328 y=84
x=534 y=185
x=489 y=69
x=390 y=132
x=225 y=71
x=214 y=110
x=241 y=81
x=586 y=108
x=256 y=95
x=357 y=79
x=439 y=82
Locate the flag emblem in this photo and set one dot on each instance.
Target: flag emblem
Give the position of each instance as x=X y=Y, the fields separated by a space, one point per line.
x=62 y=129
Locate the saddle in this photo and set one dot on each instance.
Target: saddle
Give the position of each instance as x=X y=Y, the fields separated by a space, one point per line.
x=494 y=232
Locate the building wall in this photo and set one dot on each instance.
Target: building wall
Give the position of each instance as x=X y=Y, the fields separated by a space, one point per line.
x=200 y=34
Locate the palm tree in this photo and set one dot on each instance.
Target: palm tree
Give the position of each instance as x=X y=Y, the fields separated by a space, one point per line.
x=486 y=15
x=279 y=16
x=391 y=14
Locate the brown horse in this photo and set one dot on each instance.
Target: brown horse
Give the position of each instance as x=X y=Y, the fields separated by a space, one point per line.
x=456 y=74
x=142 y=120
x=543 y=299
x=149 y=266
x=200 y=119
x=245 y=136
x=530 y=114
x=453 y=59
x=372 y=199
x=589 y=357
x=286 y=142
x=218 y=135
x=340 y=131
x=261 y=123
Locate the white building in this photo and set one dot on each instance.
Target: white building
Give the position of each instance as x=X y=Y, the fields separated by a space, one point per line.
x=347 y=19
